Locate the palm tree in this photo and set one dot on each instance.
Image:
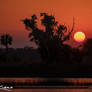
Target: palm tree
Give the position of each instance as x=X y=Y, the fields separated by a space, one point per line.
x=6 y=40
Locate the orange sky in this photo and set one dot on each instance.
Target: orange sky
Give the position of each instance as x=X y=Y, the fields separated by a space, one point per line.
x=12 y=11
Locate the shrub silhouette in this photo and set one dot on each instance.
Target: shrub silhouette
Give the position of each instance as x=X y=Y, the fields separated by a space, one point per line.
x=50 y=40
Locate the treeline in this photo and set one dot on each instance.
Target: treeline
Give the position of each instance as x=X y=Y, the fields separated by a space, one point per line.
x=19 y=56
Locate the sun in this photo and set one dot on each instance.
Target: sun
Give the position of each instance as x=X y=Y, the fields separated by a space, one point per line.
x=79 y=36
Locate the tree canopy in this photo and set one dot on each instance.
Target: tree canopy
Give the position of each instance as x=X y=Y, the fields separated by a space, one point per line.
x=50 y=40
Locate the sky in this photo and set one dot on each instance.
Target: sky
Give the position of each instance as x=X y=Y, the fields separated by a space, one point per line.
x=13 y=11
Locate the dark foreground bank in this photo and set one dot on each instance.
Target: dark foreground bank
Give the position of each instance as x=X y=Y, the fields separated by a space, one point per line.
x=45 y=70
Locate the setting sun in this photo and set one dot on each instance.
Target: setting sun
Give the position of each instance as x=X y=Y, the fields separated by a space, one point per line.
x=79 y=36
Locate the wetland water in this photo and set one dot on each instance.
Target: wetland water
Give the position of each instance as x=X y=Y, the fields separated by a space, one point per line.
x=48 y=88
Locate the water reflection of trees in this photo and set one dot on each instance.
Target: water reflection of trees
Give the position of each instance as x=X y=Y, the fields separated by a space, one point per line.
x=45 y=82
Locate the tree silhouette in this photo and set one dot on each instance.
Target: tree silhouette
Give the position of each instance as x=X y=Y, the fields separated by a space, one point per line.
x=6 y=40
x=88 y=44
x=87 y=50
x=50 y=40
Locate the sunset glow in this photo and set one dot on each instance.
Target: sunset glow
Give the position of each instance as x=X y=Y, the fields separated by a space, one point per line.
x=13 y=11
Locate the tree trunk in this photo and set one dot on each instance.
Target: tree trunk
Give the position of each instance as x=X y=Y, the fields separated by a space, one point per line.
x=6 y=48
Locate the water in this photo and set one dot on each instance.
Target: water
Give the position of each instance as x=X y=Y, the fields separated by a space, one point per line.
x=51 y=88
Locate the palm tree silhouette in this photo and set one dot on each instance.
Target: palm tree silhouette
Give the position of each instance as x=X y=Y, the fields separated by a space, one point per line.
x=6 y=40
